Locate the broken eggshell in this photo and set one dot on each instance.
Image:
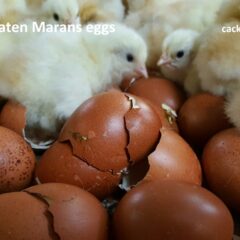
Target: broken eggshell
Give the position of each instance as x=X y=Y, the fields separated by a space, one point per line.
x=112 y=130
x=52 y=211
x=58 y=164
x=173 y=159
x=17 y=161
x=157 y=90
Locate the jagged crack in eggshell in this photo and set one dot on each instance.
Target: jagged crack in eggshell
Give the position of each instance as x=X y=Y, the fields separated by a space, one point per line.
x=201 y=117
x=97 y=132
x=76 y=213
x=171 y=210
x=13 y=116
x=174 y=159
x=17 y=161
x=158 y=91
x=58 y=164
x=142 y=124
x=24 y=217
x=221 y=166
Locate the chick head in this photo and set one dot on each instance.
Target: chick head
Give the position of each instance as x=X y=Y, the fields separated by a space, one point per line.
x=61 y=11
x=178 y=49
x=128 y=53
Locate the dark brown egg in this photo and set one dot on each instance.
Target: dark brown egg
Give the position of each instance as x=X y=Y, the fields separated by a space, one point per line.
x=174 y=159
x=104 y=136
x=159 y=91
x=172 y=210
x=13 y=116
x=17 y=161
x=58 y=164
x=201 y=117
x=52 y=211
x=75 y=212
x=221 y=165
x=24 y=217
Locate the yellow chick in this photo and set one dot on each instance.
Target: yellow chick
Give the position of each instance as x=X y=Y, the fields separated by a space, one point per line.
x=217 y=60
x=101 y=11
x=178 y=51
x=230 y=11
x=156 y=19
x=13 y=11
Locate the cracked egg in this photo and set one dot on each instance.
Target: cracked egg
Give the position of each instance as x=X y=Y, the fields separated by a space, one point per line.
x=52 y=212
x=157 y=90
x=105 y=135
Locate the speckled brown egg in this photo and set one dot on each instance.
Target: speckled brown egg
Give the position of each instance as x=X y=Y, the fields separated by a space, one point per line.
x=13 y=116
x=172 y=210
x=58 y=164
x=221 y=165
x=52 y=211
x=201 y=117
x=17 y=161
x=159 y=91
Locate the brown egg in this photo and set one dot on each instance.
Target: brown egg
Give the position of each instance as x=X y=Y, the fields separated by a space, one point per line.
x=174 y=159
x=75 y=212
x=104 y=136
x=201 y=117
x=172 y=210
x=17 y=161
x=58 y=164
x=13 y=116
x=158 y=90
x=52 y=211
x=221 y=165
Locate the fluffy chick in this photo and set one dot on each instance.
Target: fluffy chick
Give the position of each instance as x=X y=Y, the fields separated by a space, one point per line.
x=101 y=11
x=156 y=19
x=56 y=11
x=54 y=73
x=217 y=60
x=13 y=11
x=178 y=50
x=230 y=11
x=232 y=108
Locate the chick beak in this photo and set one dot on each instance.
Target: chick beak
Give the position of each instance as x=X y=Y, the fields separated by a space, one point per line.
x=141 y=71
x=163 y=61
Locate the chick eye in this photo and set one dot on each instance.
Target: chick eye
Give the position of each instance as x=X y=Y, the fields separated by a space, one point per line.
x=56 y=17
x=130 y=57
x=180 y=54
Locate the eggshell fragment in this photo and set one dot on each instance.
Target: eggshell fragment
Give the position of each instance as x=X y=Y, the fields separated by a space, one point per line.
x=201 y=117
x=17 y=161
x=171 y=210
x=76 y=213
x=221 y=165
x=157 y=90
x=174 y=159
x=96 y=131
x=58 y=164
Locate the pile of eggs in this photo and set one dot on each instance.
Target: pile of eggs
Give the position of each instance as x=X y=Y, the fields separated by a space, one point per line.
x=143 y=162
